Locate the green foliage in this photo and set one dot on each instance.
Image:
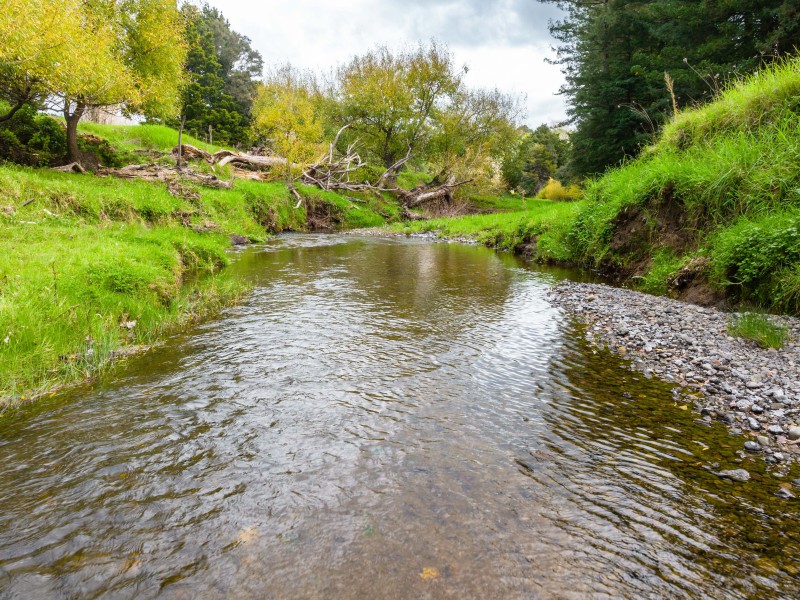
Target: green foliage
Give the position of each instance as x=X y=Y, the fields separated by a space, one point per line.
x=760 y=329
x=662 y=269
x=221 y=67
x=535 y=159
x=31 y=138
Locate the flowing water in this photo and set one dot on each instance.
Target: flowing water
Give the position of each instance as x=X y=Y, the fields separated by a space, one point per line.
x=383 y=419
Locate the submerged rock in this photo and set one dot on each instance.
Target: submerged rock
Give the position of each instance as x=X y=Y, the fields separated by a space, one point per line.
x=735 y=475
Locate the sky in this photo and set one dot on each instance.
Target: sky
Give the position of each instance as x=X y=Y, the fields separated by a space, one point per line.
x=503 y=42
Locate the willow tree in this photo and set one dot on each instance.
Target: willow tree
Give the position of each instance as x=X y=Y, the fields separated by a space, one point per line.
x=94 y=53
x=35 y=42
x=288 y=115
x=390 y=99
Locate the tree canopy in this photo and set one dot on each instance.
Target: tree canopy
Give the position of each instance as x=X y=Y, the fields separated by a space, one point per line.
x=222 y=69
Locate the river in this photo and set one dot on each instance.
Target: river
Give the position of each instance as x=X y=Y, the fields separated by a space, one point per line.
x=383 y=419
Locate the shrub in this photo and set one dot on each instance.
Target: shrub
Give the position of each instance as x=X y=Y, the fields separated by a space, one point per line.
x=558 y=193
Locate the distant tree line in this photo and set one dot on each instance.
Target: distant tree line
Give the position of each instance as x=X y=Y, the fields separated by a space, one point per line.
x=184 y=66
x=630 y=63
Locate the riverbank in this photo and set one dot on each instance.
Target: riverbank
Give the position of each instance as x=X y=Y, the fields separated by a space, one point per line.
x=91 y=266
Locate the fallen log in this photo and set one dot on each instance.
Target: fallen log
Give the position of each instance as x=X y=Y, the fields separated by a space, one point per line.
x=424 y=194
x=165 y=174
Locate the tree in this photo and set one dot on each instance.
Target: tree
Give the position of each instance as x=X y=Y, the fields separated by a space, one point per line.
x=469 y=132
x=36 y=41
x=535 y=159
x=222 y=67
x=615 y=53
x=390 y=99
x=287 y=114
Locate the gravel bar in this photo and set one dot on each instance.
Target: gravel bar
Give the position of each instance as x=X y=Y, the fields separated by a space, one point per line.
x=755 y=391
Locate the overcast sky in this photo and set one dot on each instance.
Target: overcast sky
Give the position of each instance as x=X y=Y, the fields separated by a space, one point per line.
x=504 y=42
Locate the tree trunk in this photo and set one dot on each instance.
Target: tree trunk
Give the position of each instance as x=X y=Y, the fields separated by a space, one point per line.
x=72 y=119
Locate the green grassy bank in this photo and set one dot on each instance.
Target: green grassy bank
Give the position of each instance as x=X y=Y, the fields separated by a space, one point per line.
x=709 y=212
x=91 y=265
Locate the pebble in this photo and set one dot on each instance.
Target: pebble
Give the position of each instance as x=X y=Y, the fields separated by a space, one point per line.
x=785 y=494
x=682 y=343
x=735 y=474
x=762 y=440
x=752 y=446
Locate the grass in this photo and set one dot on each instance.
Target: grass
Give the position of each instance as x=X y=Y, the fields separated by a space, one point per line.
x=760 y=329
x=90 y=265
x=148 y=137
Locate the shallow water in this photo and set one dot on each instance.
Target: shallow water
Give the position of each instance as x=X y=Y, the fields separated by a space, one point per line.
x=383 y=419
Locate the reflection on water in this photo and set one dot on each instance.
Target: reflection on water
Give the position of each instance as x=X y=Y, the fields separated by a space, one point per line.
x=383 y=419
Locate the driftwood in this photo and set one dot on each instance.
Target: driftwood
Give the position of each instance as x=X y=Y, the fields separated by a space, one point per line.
x=424 y=194
x=166 y=174
x=72 y=168
x=236 y=159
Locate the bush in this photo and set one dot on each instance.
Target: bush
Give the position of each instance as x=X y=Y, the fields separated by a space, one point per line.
x=558 y=193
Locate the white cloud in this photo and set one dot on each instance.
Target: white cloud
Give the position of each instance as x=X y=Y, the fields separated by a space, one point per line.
x=504 y=42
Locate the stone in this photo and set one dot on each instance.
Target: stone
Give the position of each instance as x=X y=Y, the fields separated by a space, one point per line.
x=762 y=440
x=794 y=433
x=775 y=429
x=752 y=446
x=735 y=475
x=753 y=385
x=756 y=409
x=753 y=423
x=743 y=405
x=785 y=494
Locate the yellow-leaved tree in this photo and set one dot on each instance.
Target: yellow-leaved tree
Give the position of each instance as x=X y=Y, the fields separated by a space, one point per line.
x=93 y=53
x=288 y=113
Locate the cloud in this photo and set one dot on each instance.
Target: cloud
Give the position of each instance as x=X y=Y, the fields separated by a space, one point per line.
x=504 y=42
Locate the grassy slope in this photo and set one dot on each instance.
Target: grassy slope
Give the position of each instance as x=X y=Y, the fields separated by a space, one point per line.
x=715 y=200
x=89 y=256
x=507 y=230
x=721 y=186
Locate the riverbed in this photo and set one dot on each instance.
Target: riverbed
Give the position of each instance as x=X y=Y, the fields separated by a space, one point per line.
x=385 y=418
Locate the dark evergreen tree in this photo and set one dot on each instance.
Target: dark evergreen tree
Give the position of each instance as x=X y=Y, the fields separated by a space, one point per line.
x=223 y=68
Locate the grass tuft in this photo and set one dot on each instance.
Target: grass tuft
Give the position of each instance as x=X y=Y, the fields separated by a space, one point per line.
x=760 y=329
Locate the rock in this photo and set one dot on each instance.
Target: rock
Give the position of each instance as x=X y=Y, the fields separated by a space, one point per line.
x=762 y=440
x=756 y=409
x=753 y=385
x=752 y=446
x=735 y=475
x=753 y=423
x=775 y=430
x=239 y=240
x=796 y=483
x=778 y=456
x=794 y=433
x=743 y=405
x=785 y=494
